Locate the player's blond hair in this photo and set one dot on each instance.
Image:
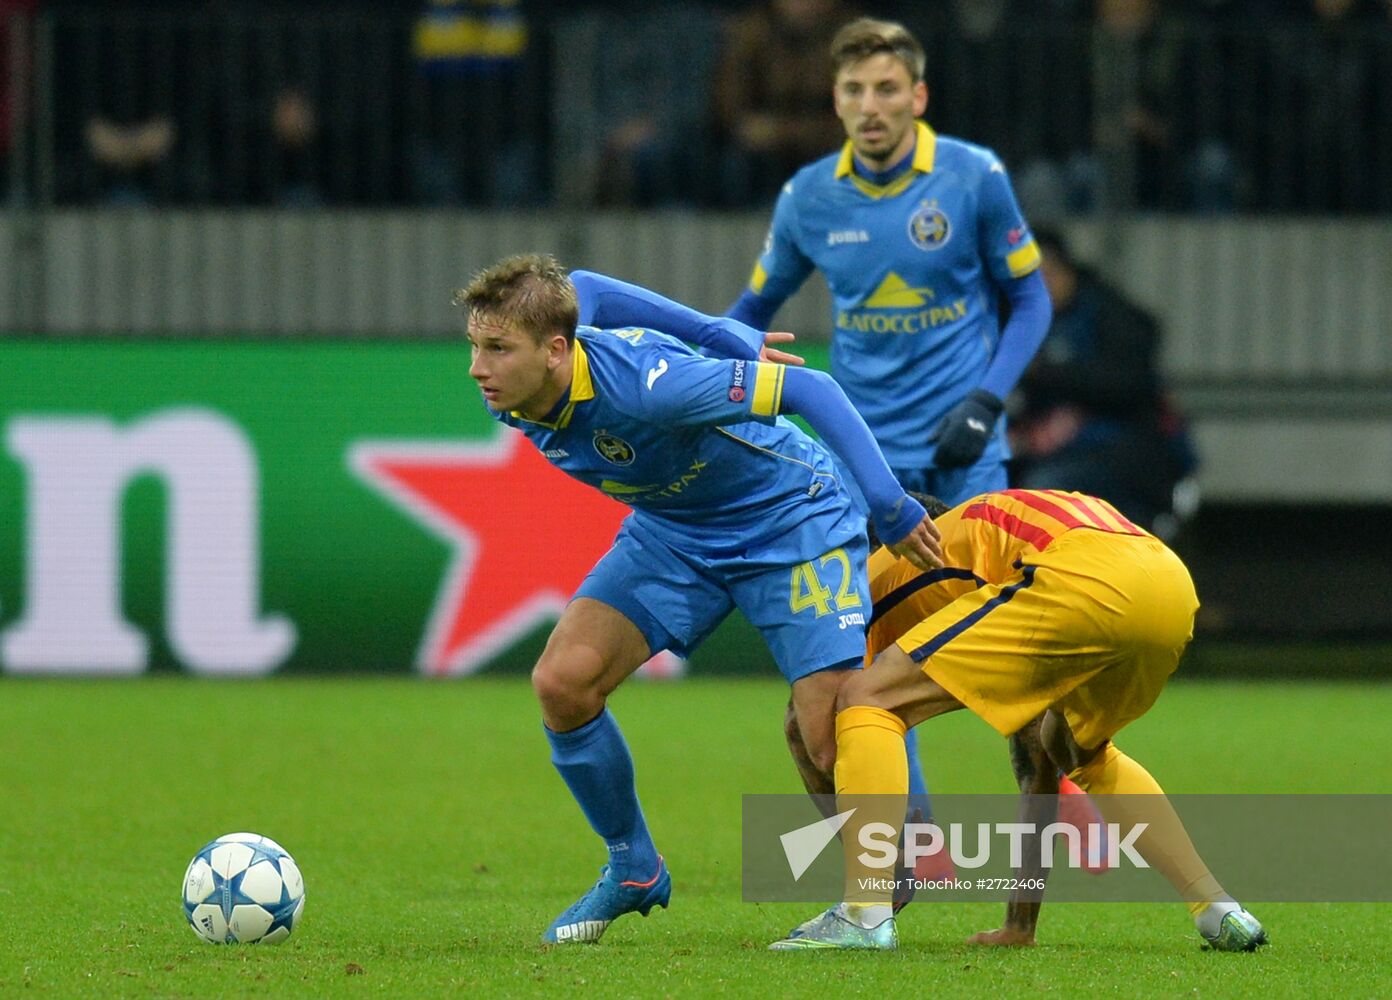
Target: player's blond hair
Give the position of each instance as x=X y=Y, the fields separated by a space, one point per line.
x=528 y=290
x=867 y=36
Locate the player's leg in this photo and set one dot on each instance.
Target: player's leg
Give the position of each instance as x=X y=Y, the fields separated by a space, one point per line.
x=615 y=622
x=876 y=707
x=1126 y=793
x=1153 y=604
x=807 y=595
x=871 y=764
x=814 y=710
x=592 y=649
x=819 y=784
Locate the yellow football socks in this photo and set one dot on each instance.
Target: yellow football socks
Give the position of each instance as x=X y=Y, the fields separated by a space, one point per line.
x=870 y=761
x=1124 y=792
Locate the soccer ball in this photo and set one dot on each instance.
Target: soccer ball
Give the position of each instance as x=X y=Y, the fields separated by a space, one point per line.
x=242 y=888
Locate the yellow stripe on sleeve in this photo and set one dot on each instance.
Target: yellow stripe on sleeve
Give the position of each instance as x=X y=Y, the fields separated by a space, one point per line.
x=768 y=389
x=758 y=278
x=1024 y=260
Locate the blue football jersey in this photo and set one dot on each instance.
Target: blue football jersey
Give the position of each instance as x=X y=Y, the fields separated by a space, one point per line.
x=915 y=267
x=693 y=444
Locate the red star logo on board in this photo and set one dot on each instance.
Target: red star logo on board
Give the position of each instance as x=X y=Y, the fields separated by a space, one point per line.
x=524 y=536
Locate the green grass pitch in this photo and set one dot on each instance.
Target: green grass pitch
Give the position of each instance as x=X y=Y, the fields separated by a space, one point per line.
x=437 y=843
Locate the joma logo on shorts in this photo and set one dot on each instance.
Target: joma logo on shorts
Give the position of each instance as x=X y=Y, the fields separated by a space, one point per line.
x=854 y=618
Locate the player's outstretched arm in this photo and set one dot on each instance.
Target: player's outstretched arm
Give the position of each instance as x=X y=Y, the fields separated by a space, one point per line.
x=609 y=302
x=900 y=521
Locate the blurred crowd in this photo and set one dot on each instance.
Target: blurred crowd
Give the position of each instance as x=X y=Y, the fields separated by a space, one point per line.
x=1168 y=105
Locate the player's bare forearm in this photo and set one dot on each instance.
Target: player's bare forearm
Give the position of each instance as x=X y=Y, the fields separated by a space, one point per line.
x=1038 y=781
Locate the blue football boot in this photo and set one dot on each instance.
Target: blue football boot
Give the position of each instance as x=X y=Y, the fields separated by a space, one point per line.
x=586 y=920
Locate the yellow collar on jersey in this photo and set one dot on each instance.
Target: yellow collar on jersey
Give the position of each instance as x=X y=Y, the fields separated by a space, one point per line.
x=925 y=152
x=581 y=388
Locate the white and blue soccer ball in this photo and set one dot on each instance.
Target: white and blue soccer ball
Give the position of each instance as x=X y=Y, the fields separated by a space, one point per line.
x=243 y=888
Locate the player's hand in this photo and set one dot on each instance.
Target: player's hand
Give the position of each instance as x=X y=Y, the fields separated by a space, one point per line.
x=966 y=429
x=922 y=546
x=771 y=353
x=1003 y=937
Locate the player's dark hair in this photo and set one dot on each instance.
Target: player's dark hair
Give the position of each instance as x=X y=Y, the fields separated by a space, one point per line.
x=529 y=290
x=934 y=507
x=867 y=36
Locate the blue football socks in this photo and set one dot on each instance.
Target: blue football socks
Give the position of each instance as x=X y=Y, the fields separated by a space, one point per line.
x=596 y=766
x=918 y=787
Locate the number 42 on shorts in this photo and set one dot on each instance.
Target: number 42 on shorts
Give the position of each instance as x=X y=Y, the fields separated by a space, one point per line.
x=806 y=589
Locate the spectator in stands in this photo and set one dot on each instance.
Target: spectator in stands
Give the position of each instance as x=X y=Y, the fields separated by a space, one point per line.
x=127 y=154
x=1090 y=413
x=123 y=100
x=1167 y=125
x=16 y=35
x=474 y=143
x=285 y=169
x=1329 y=76
x=651 y=120
x=772 y=100
x=1037 y=114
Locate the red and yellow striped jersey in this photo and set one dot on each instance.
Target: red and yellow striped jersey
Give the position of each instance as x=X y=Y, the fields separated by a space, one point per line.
x=982 y=540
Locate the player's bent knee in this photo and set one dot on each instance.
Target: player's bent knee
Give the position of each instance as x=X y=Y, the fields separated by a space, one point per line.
x=568 y=692
x=856 y=691
x=882 y=684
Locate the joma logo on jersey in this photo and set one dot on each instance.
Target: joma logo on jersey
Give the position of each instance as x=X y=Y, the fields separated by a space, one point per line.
x=883 y=321
x=839 y=237
x=613 y=449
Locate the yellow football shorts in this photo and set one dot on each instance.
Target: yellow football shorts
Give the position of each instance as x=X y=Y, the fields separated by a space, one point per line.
x=1093 y=627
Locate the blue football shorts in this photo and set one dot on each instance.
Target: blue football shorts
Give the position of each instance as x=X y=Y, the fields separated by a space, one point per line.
x=805 y=590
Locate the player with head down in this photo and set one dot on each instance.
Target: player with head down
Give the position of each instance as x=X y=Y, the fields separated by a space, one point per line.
x=733 y=507
x=1048 y=604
